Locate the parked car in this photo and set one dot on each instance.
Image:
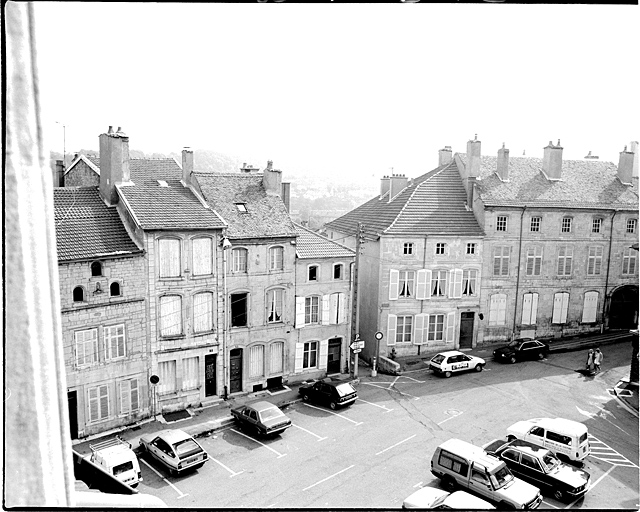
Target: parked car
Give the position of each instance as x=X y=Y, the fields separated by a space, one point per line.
x=327 y=392
x=263 y=418
x=540 y=467
x=437 y=499
x=175 y=449
x=453 y=361
x=116 y=457
x=520 y=350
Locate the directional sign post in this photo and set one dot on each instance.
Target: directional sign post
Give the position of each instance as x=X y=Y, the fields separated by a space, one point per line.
x=356 y=347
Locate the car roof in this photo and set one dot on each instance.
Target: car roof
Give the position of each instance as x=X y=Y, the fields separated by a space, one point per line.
x=527 y=447
x=457 y=445
x=450 y=353
x=558 y=423
x=174 y=435
x=263 y=405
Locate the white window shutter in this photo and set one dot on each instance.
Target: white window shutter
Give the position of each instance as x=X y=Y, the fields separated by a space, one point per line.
x=557 y=308
x=392 y=322
x=526 y=309
x=326 y=309
x=299 y=312
x=450 y=291
x=565 y=307
x=125 y=397
x=457 y=283
x=422 y=285
x=333 y=308
x=590 y=307
x=299 y=356
x=534 y=308
x=342 y=308
x=324 y=354
x=451 y=326
x=419 y=331
x=394 y=280
x=502 y=309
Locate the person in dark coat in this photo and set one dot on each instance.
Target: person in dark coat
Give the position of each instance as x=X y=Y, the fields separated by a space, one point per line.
x=590 y=362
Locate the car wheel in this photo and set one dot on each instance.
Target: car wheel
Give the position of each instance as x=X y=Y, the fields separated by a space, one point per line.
x=558 y=494
x=447 y=374
x=506 y=506
x=512 y=359
x=541 y=355
x=305 y=397
x=478 y=367
x=333 y=405
x=449 y=484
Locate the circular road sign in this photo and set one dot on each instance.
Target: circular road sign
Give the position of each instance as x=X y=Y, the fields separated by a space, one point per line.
x=379 y=335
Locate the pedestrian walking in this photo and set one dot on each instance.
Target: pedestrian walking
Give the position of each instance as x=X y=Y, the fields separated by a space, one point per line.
x=597 y=359
x=590 y=362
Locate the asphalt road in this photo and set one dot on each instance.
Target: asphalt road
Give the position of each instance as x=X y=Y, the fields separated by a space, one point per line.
x=377 y=452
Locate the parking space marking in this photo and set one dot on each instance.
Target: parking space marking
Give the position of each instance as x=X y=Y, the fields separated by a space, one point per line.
x=233 y=473
x=452 y=414
x=390 y=388
x=334 y=413
x=331 y=476
x=397 y=444
x=255 y=440
x=602 y=451
x=376 y=405
x=549 y=504
x=160 y=475
x=418 y=484
x=309 y=432
x=591 y=487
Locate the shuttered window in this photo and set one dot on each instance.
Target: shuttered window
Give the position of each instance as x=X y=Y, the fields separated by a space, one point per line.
x=275 y=304
x=300 y=311
x=419 y=337
x=590 y=307
x=276 y=357
x=337 y=308
x=203 y=312
x=455 y=283
x=534 y=261
x=436 y=328
x=497 y=309
x=469 y=282
x=392 y=323
x=451 y=326
x=170 y=315
x=310 y=354
x=167 y=375
x=169 y=255
x=406 y=283
x=560 y=307
x=501 y=260
x=423 y=290
x=394 y=279
x=529 y=308
x=594 y=263
x=565 y=260
x=404 y=329
x=86 y=347
x=129 y=396
x=326 y=310
x=256 y=361
x=202 y=256
x=98 y=403
x=114 y=341
x=438 y=283
x=190 y=372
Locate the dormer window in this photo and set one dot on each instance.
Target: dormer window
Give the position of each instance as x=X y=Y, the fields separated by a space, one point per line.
x=242 y=207
x=163 y=183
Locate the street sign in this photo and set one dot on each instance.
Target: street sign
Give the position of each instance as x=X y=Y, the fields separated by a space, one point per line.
x=357 y=351
x=357 y=345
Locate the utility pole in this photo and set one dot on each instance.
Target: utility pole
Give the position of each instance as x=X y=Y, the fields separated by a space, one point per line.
x=355 y=325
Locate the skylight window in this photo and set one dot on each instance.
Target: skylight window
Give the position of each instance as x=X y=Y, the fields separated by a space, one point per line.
x=242 y=207
x=163 y=183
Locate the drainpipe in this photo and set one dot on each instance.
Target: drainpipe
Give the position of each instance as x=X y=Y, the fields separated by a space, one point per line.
x=225 y=378
x=424 y=265
x=606 y=281
x=515 y=306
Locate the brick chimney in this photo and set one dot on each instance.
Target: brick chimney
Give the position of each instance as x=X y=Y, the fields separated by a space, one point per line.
x=385 y=182
x=114 y=163
x=272 y=180
x=634 y=150
x=473 y=157
x=187 y=164
x=444 y=156
x=502 y=167
x=552 y=161
x=397 y=182
x=625 y=166
x=58 y=174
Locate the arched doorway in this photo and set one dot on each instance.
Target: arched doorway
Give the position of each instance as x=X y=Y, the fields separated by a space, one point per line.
x=623 y=310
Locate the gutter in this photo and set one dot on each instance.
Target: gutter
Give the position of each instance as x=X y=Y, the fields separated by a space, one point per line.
x=515 y=306
x=606 y=281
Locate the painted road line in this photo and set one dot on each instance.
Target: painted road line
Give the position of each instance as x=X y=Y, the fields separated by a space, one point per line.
x=549 y=504
x=591 y=487
x=233 y=473
x=309 y=432
x=397 y=444
x=255 y=440
x=387 y=388
x=602 y=451
x=329 y=477
x=160 y=475
x=411 y=378
x=418 y=484
x=375 y=405
x=451 y=417
x=334 y=413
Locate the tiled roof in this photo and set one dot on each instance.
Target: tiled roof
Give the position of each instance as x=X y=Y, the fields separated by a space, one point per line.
x=86 y=227
x=433 y=203
x=266 y=215
x=583 y=184
x=313 y=245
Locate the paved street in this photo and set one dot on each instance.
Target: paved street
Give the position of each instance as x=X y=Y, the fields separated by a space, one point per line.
x=377 y=452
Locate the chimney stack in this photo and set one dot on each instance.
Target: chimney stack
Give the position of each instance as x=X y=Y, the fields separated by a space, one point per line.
x=272 y=180
x=473 y=157
x=187 y=164
x=114 y=163
x=248 y=168
x=385 y=182
x=552 y=161
x=625 y=166
x=634 y=150
x=397 y=182
x=502 y=167
x=444 y=156
x=58 y=174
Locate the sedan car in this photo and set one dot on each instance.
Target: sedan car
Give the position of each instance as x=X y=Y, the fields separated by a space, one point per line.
x=453 y=361
x=174 y=449
x=263 y=418
x=437 y=499
x=519 y=350
x=540 y=467
x=327 y=392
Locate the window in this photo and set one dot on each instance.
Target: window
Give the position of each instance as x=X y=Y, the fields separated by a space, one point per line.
x=239 y=309
x=534 y=226
x=114 y=289
x=529 y=309
x=114 y=341
x=167 y=375
x=631 y=225
x=338 y=271
x=407 y=279
x=469 y=282
x=86 y=347
x=276 y=258
x=440 y=248
x=534 y=261
x=436 y=328
x=560 y=308
x=511 y=455
x=170 y=315
x=471 y=248
x=403 y=329
x=310 y=354
x=407 y=248
x=596 y=225
x=275 y=302
x=558 y=438
x=498 y=309
x=256 y=361
x=202 y=256
x=203 y=312
x=501 y=260
x=312 y=273
x=537 y=431
x=311 y=305
x=438 y=283
x=454 y=463
x=169 y=250
x=594 y=262
x=96 y=269
x=479 y=477
x=501 y=223
x=239 y=260
x=530 y=462
x=78 y=294
x=98 y=403
x=129 y=396
x=629 y=260
x=190 y=372
x=337 y=313
x=242 y=207
x=565 y=260
x=590 y=307
x=566 y=224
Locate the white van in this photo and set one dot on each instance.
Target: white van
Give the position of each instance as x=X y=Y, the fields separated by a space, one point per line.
x=116 y=457
x=567 y=438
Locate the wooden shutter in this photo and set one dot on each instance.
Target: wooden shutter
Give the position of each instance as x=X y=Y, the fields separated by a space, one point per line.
x=299 y=356
x=502 y=310
x=526 y=309
x=104 y=401
x=419 y=337
x=423 y=290
x=324 y=352
x=202 y=256
x=326 y=309
x=333 y=308
x=394 y=280
x=392 y=324
x=534 y=308
x=590 y=307
x=125 y=396
x=455 y=283
x=565 y=307
x=276 y=353
x=299 y=312
x=497 y=309
x=342 y=308
x=203 y=312
x=451 y=326
x=256 y=361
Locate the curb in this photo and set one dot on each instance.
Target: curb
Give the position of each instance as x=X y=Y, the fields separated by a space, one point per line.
x=622 y=402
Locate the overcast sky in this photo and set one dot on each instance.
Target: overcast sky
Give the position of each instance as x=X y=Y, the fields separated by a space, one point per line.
x=337 y=89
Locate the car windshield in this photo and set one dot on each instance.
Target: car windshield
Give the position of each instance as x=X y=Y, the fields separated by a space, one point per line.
x=121 y=468
x=549 y=462
x=272 y=412
x=186 y=448
x=437 y=359
x=514 y=343
x=501 y=477
x=345 y=389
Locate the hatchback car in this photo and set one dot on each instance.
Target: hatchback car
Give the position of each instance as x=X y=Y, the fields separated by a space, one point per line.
x=520 y=350
x=453 y=361
x=437 y=499
x=326 y=392
x=540 y=467
x=174 y=449
x=263 y=418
